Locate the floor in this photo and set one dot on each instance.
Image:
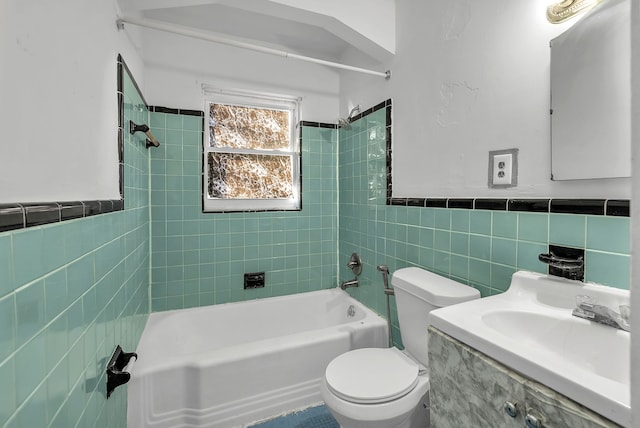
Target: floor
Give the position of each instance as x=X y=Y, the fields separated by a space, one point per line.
x=313 y=417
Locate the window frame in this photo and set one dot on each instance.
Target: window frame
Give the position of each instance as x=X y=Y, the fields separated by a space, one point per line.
x=255 y=100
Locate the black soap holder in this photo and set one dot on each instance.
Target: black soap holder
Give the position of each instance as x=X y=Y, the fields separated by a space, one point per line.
x=115 y=374
x=565 y=262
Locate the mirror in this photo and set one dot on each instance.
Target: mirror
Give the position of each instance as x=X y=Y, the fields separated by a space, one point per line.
x=591 y=96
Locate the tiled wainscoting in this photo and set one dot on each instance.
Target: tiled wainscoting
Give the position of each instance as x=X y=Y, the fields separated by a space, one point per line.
x=70 y=291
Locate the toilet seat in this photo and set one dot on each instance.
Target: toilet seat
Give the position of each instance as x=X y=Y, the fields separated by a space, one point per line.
x=372 y=375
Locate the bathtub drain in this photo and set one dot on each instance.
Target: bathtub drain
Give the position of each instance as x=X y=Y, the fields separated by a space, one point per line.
x=351 y=311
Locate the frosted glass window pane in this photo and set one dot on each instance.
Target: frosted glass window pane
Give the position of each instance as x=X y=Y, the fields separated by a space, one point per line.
x=249 y=176
x=242 y=127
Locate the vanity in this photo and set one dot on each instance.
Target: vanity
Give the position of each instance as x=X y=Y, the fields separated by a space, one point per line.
x=529 y=358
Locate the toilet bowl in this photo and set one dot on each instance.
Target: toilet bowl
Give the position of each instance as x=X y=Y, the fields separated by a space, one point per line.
x=387 y=387
x=377 y=388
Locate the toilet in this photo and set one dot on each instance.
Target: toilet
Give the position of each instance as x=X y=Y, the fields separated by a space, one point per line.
x=387 y=387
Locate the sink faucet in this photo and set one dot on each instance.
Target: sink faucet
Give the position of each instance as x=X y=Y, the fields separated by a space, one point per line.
x=603 y=314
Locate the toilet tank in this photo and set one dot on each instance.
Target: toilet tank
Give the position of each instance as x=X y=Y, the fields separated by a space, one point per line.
x=417 y=293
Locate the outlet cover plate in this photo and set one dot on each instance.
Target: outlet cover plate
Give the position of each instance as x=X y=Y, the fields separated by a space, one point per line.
x=503 y=168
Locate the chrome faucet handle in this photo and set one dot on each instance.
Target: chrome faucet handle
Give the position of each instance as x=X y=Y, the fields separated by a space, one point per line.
x=383 y=268
x=584 y=307
x=355 y=264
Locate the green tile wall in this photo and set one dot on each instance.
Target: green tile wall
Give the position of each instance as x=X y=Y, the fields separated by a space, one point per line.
x=69 y=292
x=475 y=247
x=200 y=258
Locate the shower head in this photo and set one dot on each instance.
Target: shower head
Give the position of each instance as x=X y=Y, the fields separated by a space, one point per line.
x=356 y=110
x=346 y=123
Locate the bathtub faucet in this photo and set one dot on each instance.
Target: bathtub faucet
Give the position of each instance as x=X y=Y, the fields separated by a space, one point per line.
x=346 y=284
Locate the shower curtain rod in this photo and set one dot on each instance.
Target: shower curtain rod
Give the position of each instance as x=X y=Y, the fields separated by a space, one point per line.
x=184 y=31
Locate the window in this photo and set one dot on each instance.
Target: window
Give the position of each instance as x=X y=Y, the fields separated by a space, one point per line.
x=251 y=153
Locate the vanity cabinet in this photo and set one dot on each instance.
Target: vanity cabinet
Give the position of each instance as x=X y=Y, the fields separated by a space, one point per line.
x=469 y=389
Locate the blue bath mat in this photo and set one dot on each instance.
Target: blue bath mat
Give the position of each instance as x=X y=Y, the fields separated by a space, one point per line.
x=313 y=417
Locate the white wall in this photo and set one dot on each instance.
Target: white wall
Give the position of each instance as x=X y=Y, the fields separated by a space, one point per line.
x=58 y=103
x=177 y=66
x=469 y=77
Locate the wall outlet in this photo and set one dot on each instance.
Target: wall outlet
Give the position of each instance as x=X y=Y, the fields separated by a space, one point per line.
x=503 y=168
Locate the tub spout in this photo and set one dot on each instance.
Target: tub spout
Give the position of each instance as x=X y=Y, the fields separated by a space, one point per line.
x=346 y=284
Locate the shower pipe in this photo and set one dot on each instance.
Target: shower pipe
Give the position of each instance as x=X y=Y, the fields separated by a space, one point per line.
x=184 y=31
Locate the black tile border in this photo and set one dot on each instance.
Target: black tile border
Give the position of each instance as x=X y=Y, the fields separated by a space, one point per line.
x=387 y=129
x=397 y=201
x=529 y=205
x=460 y=203
x=603 y=207
x=12 y=217
x=415 y=202
x=618 y=207
x=317 y=125
x=182 y=111
x=121 y=69
x=578 y=206
x=435 y=203
x=37 y=214
x=71 y=210
x=23 y=215
x=490 y=204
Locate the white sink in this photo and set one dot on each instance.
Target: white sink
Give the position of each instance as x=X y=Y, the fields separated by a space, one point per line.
x=530 y=329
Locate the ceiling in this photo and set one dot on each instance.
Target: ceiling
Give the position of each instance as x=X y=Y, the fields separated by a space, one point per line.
x=280 y=24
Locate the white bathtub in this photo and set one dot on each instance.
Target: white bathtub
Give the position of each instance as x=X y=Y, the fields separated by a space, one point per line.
x=228 y=365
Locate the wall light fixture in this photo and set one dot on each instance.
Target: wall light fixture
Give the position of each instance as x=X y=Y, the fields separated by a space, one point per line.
x=566 y=9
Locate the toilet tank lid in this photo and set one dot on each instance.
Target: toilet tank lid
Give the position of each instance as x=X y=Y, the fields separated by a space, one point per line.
x=431 y=287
